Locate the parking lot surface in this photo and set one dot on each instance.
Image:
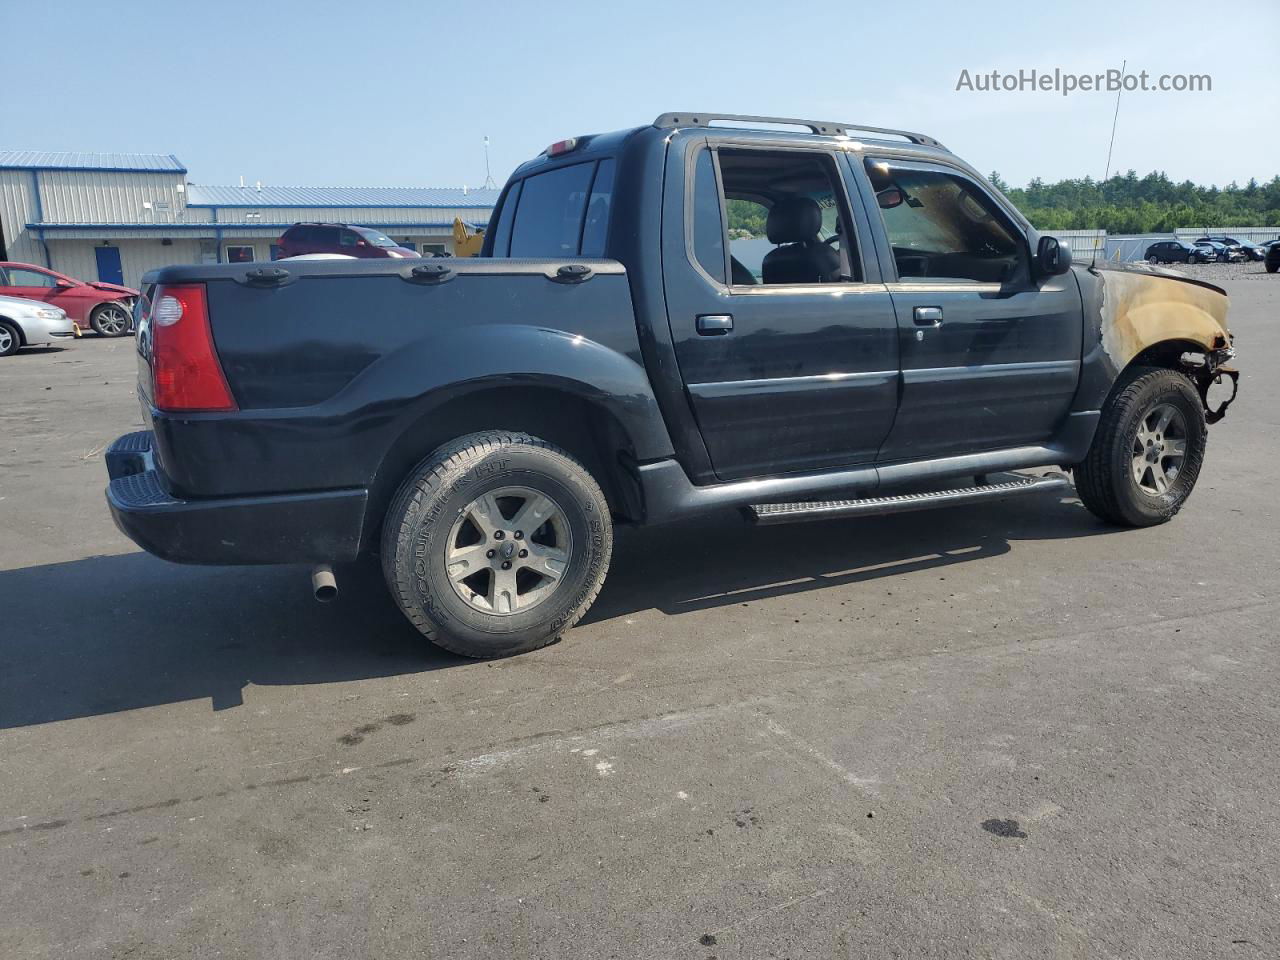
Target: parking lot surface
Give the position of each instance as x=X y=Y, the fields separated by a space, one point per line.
x=997 y=731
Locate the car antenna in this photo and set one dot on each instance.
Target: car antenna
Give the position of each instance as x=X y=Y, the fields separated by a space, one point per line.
x=1110 y=146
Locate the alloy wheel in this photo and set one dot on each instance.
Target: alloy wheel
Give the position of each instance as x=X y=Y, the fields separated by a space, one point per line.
x=508 y=550
x=112 y=320
x=1159 y=448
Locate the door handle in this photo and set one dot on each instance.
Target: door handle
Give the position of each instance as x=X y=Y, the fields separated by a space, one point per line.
x=714 y=324
x=927 y=316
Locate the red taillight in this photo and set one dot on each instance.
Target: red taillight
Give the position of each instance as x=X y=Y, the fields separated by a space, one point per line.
x=184 y=364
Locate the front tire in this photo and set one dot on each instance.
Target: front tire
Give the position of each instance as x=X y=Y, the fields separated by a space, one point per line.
x=496 y=544
x=10 y=339
x=1148 y=450
x=110 y=320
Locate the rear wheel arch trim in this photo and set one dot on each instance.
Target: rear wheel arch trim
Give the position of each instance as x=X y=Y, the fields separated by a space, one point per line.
x=603 y=456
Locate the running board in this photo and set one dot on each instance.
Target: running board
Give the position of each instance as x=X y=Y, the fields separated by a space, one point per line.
x=766 y=513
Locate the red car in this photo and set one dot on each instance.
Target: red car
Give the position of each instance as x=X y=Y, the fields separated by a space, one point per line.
x=106 y=308
x=361 y=242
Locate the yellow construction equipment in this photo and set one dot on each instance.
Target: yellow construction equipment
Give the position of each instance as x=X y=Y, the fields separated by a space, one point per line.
x=466 y=243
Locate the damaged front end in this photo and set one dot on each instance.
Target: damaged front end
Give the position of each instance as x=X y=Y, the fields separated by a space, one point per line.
x=1162 y=318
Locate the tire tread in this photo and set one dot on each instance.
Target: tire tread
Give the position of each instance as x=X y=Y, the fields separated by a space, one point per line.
x=433 y=473
x=1095 y=476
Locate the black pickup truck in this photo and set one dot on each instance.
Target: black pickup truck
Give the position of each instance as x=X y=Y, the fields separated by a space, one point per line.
x=800 y=320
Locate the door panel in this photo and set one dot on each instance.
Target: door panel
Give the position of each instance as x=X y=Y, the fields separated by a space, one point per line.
x=990 y=357
x=805 y=378
x=999 y=370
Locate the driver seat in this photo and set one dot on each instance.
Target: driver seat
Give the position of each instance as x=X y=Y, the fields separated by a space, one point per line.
x=801 y=257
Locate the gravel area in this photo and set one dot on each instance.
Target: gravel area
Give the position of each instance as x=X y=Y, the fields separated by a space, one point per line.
x=1222 y=272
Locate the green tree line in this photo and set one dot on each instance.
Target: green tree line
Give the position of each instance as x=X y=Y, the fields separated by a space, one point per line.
x=1127 y=203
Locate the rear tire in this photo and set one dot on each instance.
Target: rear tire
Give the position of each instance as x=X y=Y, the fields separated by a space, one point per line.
x=466 y=581
x=110 y=320
x=1148 y=450
x=10 y=339
x=1273 y=267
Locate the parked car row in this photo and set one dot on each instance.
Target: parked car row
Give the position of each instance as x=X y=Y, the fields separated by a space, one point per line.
x=39 y=305
x=1208 y=249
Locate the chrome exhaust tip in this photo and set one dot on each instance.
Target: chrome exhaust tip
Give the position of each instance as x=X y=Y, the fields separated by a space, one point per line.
x=323 y=583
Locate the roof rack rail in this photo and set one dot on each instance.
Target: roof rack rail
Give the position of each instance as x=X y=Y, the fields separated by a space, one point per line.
x=823 y=127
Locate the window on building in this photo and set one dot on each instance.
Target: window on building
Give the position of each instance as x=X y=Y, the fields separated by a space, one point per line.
x=434 y=249
x=240 y=254
x=943 y=225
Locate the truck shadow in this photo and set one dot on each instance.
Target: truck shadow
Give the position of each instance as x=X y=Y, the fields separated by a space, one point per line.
x=111 y=633
x=684 y=568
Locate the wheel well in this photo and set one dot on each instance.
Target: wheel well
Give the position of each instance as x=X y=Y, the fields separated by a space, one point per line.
x=1201 y=365
x=16 y=328
x=1170 y=354
x=589 y=432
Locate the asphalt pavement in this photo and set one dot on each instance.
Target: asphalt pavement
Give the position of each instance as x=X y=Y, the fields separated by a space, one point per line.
x=1006 y=730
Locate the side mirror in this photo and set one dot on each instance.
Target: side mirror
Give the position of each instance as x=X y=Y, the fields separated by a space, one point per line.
x=890 y=197
x=1053 y=257
x=63 y=284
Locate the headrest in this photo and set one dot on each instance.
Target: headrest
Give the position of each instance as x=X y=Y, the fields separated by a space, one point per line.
x=794 y=219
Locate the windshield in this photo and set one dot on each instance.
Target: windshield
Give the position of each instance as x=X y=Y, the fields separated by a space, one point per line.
x=376 y=238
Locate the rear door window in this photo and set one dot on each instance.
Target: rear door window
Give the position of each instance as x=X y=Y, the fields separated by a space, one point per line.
x=548 y=220
x=708 y=228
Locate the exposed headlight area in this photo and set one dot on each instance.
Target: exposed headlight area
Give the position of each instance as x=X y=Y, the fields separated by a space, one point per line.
x=50 y=313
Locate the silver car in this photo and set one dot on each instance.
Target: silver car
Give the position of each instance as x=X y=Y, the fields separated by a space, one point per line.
x=27 y=323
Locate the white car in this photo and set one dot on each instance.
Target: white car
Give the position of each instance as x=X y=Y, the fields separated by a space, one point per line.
x=27 y=323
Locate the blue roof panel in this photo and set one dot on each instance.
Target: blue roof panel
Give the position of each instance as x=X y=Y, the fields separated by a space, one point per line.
x=201 y=195
x=75 y=160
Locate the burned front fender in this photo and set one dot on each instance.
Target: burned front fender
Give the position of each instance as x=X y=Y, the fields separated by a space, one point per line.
x=1136 y=314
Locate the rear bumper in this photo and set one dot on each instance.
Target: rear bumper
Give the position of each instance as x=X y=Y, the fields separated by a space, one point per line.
x=313 y=527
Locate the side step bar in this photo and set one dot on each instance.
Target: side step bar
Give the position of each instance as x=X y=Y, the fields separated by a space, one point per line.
x=767 y=513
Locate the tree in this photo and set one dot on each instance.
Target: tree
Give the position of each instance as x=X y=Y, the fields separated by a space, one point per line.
x=1126 y=203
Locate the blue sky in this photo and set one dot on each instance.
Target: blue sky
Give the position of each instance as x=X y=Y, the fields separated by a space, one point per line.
x=401 y=94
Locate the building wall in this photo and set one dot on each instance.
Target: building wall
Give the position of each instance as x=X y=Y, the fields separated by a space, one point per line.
x=129 y=211
x=80 y=196
x=77 y=259
x=17 y=209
